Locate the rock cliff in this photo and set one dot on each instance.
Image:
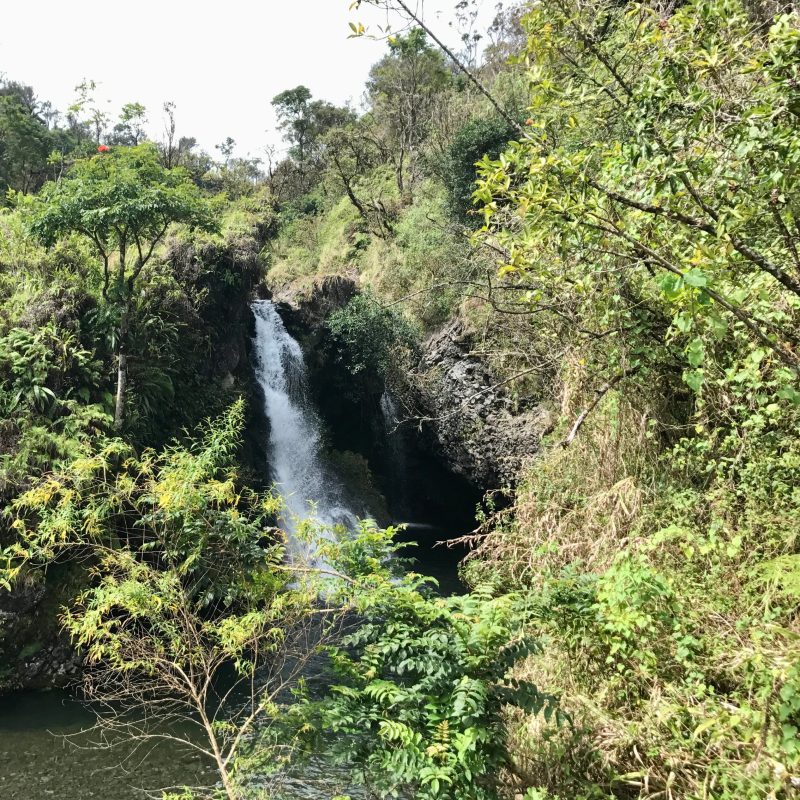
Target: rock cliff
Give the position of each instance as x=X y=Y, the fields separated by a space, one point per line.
x=450 y=402
x=470 y=414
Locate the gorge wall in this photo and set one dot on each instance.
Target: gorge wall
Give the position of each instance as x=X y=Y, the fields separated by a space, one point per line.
x=458 y=429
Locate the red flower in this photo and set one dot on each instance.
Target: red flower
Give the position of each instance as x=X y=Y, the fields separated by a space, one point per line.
x=103 y=148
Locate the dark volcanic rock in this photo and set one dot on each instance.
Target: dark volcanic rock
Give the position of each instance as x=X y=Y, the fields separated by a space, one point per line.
x=470 y=415
x=34 y=652
x=305 y=311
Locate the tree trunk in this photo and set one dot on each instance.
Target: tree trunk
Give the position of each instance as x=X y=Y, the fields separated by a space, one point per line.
x=122 y=366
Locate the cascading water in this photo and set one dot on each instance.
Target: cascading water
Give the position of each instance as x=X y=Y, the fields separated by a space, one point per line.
x=397 y=466
x=307 y=486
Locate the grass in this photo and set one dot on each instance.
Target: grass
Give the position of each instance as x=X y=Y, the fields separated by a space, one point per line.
x=667 y=610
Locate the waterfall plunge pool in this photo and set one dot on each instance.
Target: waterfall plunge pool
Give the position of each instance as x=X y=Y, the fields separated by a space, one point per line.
x=47 y=748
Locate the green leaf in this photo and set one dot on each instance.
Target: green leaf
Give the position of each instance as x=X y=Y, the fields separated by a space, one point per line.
x=694 y=277
x=694 y=379
x=695 y=352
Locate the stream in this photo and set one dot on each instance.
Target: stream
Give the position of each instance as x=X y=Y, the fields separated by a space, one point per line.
x=46 y=749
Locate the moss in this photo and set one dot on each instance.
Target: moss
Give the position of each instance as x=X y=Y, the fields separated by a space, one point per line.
x=316 y=245
x=355 y=472
x=30 y=649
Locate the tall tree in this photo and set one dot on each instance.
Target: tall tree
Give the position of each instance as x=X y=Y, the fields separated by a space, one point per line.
x=304 y=122
x=25 y=143
x=130 y=128
x=413 y=17
x=86 y=105
x=226 y=148
x=123 y=201
x=402 y=87
x=294 y=119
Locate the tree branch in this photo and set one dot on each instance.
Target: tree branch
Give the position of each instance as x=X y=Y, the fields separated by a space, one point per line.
x=599 y=394
x=462 y=67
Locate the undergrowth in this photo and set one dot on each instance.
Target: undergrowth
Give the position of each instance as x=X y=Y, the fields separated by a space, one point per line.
x=666 y=585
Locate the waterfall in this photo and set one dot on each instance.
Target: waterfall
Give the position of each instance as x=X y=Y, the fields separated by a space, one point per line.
x=397 y=466
x=390 y=414
x=307 y=485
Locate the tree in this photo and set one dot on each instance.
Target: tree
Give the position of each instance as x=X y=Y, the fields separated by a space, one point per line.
x=123 y=202
x=456 y=168
x=179 y=151
x=34 y=144
x=168 y=147
x=25 y=144
x=414 y=18
x=465 y=22
x=401 y=88
x=86 y=103
x=351 y=152
x=226 y=148
x=292 y=109
x=304 y=123
x=507 y=38
x=129 y=131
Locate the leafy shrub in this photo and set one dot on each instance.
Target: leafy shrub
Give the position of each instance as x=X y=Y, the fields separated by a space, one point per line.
x=425 y=686
x=477 y=139
x=368 y=337
x=34 y=365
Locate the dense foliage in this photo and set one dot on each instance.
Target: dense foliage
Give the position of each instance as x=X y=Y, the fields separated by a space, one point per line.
x=427 y=682
x=648 y=218
x=369 y=337
x=645 y=222
x=123 y=202
x=627 y=260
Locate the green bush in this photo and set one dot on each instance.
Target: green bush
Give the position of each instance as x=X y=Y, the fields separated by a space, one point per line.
x=369 y=338
x=426 y=684
x=477 y=139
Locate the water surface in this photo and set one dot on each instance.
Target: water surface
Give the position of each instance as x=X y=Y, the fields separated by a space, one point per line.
x=46 y=749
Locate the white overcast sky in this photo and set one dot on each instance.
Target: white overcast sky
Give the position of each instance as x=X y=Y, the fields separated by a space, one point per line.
x=219 y=62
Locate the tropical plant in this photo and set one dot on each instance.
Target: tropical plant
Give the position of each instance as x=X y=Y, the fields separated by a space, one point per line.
x=34 y=365
x=426 y=684
x=123 y=201
x=369 y=336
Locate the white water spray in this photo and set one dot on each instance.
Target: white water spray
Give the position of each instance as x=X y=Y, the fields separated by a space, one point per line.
x=307 y=486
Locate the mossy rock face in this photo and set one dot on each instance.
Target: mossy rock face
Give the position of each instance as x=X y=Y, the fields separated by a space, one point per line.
x=34 y=651
x=400 y=476
x=31 y=650
x=360 y=484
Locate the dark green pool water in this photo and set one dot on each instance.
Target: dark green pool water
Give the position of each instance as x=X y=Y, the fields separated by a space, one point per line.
x=47 y=751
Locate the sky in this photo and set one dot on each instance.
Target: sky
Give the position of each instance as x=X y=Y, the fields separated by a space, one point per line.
x=220 y=62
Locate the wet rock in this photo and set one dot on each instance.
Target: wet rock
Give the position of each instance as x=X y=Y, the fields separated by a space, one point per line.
x=34 y=653
x=304 y=309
